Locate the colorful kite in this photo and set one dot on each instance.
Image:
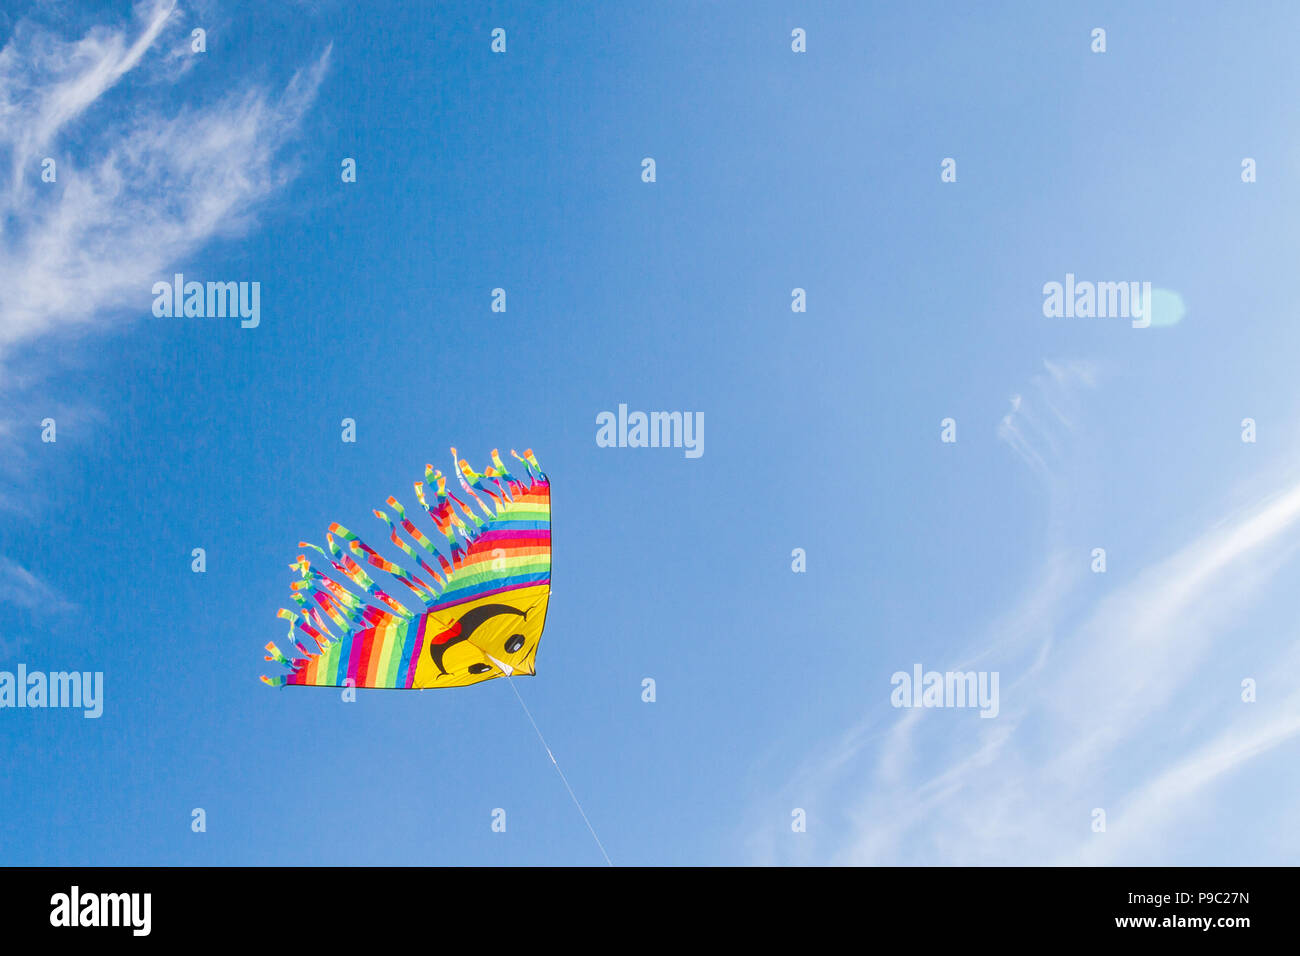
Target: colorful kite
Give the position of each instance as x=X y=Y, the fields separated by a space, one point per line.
x=481 y=602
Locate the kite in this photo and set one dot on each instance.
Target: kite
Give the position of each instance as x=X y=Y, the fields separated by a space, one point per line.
x=476 y=608
x=478 y=605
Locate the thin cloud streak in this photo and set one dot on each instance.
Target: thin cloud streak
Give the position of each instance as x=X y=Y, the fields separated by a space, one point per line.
x=20 y=588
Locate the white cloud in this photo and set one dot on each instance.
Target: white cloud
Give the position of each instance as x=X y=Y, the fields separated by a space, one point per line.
x=150 y=190
x=20 y=588
x=1035 y=430
x=1119 y=702
x=46 y=83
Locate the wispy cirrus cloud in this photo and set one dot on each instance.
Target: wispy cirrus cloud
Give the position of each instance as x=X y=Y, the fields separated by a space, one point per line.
x=136 y=195
x=1038 y=429
x=1118 y=702
x=24 y=595
x=45 y=84
x=20 y=588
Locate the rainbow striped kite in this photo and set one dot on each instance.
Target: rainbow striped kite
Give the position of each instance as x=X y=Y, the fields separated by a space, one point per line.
x=482 y=600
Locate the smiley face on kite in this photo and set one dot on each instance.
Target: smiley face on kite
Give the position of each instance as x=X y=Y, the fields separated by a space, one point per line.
x=488 y=638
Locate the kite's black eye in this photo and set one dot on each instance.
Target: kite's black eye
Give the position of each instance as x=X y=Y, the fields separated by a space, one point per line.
x=479 y=668
x=516 y=641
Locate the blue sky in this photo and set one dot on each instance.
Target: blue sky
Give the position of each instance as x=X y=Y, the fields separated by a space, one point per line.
x=775 y=170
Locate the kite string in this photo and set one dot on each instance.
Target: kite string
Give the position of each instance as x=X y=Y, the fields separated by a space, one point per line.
x=555 y=764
